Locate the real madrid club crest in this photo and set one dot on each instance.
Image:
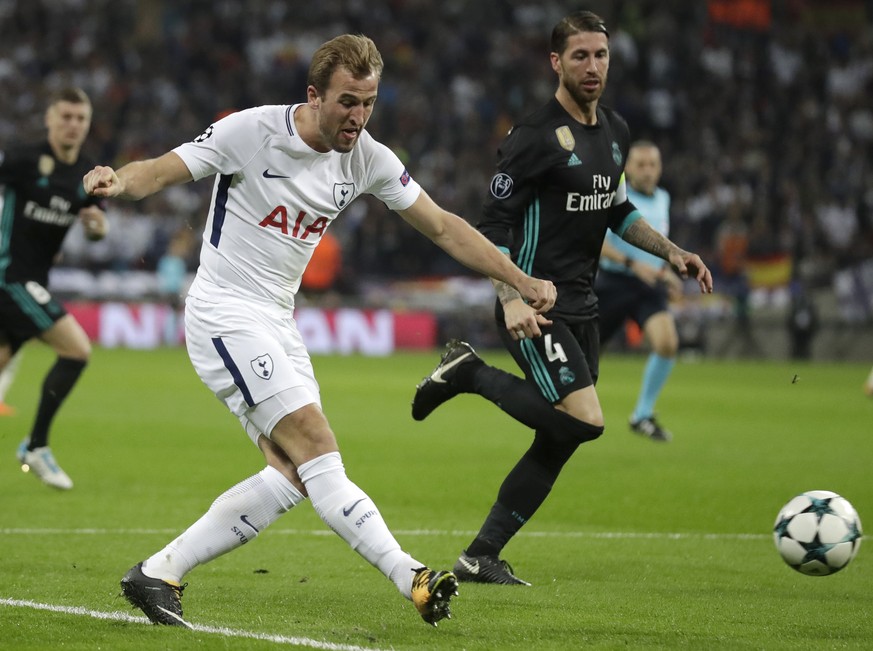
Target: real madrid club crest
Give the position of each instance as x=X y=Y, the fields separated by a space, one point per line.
x=565 y=138
x=45 y=165
x=616 y=153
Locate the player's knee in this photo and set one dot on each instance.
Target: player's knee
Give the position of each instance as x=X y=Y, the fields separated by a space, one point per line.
x=76 y=349
x=304 y=434
x=5 y=356
x=581 y=431
x=667 y=347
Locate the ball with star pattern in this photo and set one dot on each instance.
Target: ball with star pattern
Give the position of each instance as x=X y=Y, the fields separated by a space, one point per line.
x=818 y=533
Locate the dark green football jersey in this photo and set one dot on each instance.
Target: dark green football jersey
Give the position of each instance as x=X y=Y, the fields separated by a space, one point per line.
x=559 y=185
x=41 y=197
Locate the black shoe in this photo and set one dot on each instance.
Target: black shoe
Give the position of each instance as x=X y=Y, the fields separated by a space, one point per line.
x=437 y=387
x=650 y=427
x=161 y=601
x=431 y=593
x=485 y=569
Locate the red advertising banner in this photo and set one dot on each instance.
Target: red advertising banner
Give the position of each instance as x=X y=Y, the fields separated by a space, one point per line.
x=342 y=331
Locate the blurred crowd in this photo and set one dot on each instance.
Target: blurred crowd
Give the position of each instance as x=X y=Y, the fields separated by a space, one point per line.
x=761 y=108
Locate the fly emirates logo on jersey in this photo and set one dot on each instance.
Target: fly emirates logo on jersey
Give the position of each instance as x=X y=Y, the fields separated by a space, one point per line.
x=596 y=200
x=302 y=227
x=57 y=214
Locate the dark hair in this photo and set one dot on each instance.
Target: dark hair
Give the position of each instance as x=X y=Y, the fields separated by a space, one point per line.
x=580 y=21
x=69 y=94
x=355 y=53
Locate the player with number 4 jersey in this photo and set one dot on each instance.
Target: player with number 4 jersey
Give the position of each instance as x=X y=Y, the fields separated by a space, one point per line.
x=559 y=185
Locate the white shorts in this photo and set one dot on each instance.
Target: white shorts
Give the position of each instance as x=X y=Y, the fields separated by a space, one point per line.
x=252 y=358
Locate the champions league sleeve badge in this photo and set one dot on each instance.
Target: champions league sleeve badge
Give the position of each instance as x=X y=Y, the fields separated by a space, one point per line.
x=501 y=185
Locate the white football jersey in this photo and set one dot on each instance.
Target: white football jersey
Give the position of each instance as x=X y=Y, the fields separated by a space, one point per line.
x=275 y=196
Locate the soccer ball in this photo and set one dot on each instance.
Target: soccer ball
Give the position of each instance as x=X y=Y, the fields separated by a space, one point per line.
x=817 y=533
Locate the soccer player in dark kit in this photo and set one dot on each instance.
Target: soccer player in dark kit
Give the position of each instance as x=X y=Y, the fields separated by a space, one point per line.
x=42 y=197
x=559 y=185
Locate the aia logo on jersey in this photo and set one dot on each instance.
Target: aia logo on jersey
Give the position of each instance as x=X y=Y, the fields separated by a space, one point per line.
x=343 y=193
x=501 y=185
x=304 y=225
x=404 y=178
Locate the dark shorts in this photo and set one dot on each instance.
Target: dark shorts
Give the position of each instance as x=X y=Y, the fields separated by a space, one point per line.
x=27 y=310
x=621 y=297
x=565 y=359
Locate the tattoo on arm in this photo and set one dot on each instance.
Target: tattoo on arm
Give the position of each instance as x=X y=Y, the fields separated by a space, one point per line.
x=643 y=236
x=505 y=292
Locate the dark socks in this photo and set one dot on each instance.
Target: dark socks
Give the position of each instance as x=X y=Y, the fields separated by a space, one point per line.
x=526 y=487
x=55 y=388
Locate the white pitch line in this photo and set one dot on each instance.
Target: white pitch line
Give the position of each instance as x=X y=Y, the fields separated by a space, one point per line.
x=608 y=535
x=216 y=630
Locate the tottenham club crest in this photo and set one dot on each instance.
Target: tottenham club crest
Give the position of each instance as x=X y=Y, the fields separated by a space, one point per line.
x=343 y=193
x=501 y=185
x=263 y=366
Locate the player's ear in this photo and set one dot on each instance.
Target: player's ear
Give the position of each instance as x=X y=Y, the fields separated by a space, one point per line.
x=312 y=97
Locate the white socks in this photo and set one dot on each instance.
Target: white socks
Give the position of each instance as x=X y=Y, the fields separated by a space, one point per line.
x=239 y=514
x=347 y=510
x=235 y=518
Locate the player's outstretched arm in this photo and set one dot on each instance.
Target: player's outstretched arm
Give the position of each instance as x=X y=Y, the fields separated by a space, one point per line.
x=137 y=179
x=687 y=264
x=472 y=249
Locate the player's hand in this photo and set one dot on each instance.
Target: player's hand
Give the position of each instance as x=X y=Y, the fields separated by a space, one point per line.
x=688 y=264
x=102 y=182
x=539 y=294
x=95 y=223
x=522 y=320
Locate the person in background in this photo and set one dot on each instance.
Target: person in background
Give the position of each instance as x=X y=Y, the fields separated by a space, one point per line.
x=636 y=285
x=42 y=198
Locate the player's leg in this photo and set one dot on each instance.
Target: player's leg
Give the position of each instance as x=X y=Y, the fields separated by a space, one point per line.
x=563 y=365
x=35 y=313
x=307 y=438
x=71 y=344
x=7 y=376
x=461 y=370
x=257 y=365
x=235 y=518
x=868 y=385
x=660 y=329
x=241 y=513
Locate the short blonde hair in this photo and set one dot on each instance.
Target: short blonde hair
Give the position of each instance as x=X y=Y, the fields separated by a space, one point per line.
x=69 y=94
x=355 y=53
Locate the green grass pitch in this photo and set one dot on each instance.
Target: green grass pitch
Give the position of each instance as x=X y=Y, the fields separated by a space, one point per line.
x=640 y=545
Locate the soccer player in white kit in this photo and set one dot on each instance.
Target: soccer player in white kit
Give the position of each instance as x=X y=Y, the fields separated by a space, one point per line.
x=282 y=175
